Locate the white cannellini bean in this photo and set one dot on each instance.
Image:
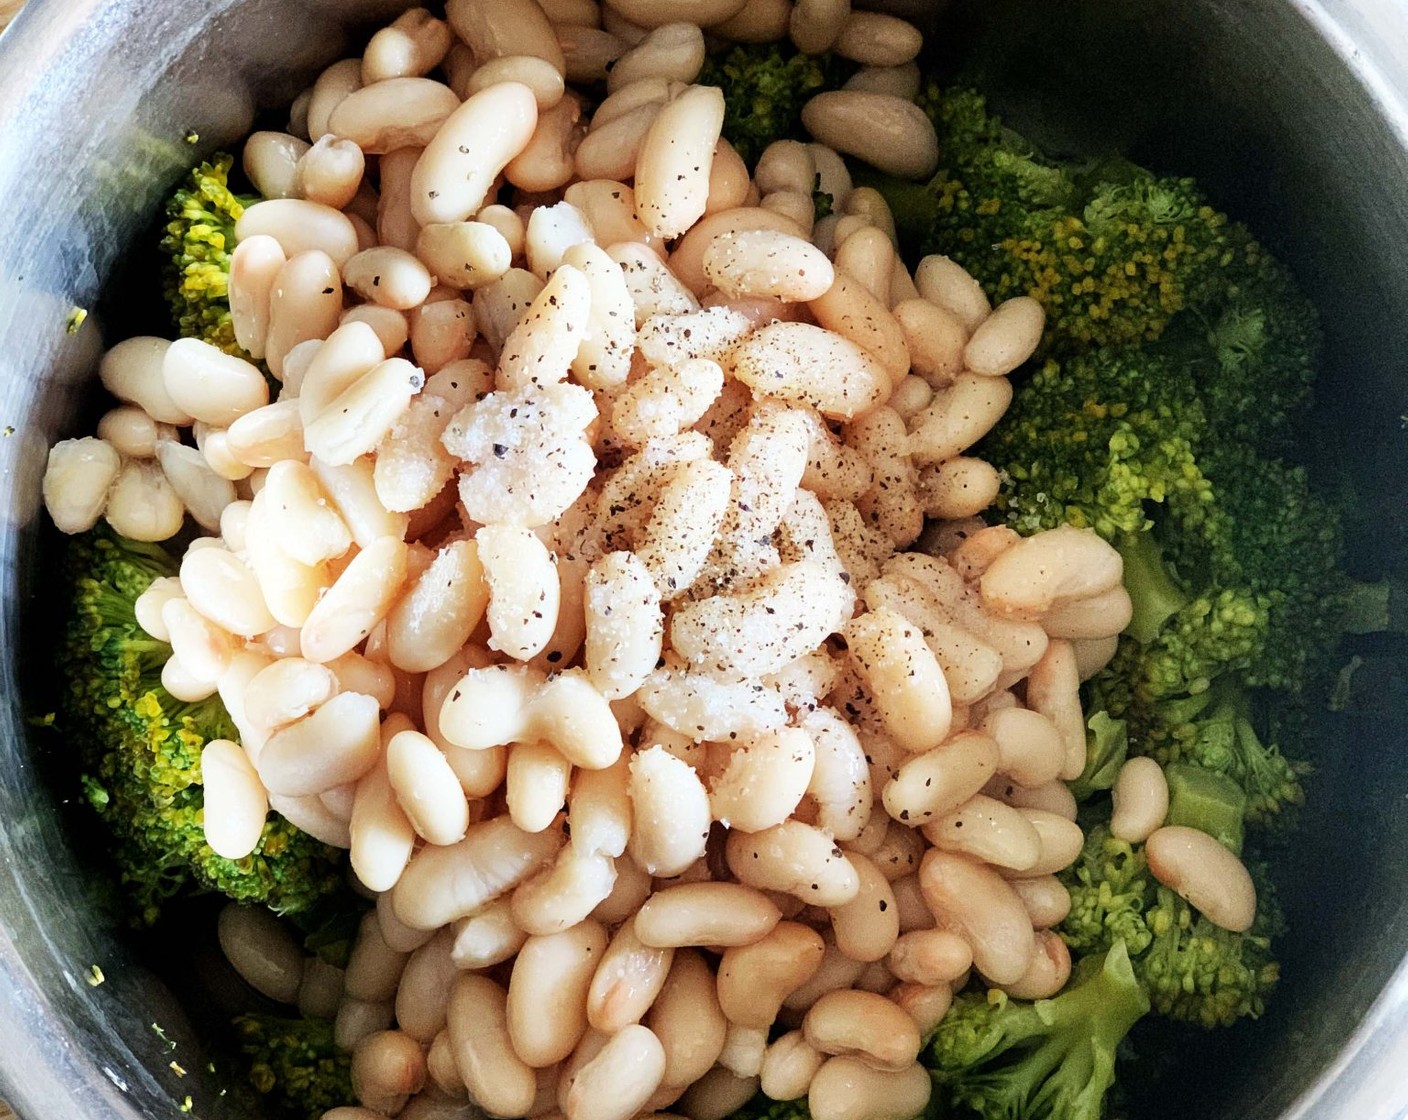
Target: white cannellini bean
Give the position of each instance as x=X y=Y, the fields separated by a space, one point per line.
x=439 y=611
x=453 y=175
x=203 y=492
x=1199 y=869
x=211 y=385
x=767 y=263
x=235 y=802
x=535 y=785
x=948 y=284
x=547 y=161
x=628 y=978
x=847 y=1088
x=270 y=160
x=619 y=1079
x=133 y=371
x=202 y=648
x=547 y=993
x=671 y=812
x=865 y=1024
x=975 y=901
x=357 y=601
x=672 y=174
x=755 y=979
x=988 y=830
x=426 y=788
x=423 y=995
x=524 y=590
x=442 y=884
x=382 y=836
x=656 y=13
x=538 y=74
x=305 y=304
x=1006 y=338
x=887 y=132
x=337 y=743
x=794 y=858
x=362 y=414
x=902 y=80
x=388 y=1067
x=1140 y=797
x=624 y=628
x=261 y=950
x=221 y=586
x=77 y=479
x=333 y=84
x=706 y=914
x=464 y=254
x=393 y=113
x=331 y=172
x=564 y=894
x=412 y=44
x=388 y=276
x=672 y=51
x=687 y=1019
x=254 y=268
x=300 y=226
x=497 y=1079
x=875 y=39
x=132 y=432
x=904 y=678
x=763 y=781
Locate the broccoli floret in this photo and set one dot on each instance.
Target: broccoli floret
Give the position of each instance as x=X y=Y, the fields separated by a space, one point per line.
x=1199 y=973
x=1112 y=252
x=1097 y=441
x=1194 y=971
x=140 y=749
x=765 y=87
x=197 y=241
x=761 y=1107
x=1109 y=887
x=295 y=1064
x=1005 y=1059
x=1106 y=748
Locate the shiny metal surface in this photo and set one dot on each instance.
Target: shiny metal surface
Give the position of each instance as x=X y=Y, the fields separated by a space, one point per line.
x=1294 y=114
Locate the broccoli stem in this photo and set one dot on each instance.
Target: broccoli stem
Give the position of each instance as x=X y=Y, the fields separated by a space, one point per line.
x=1210 y=802
x=1152 y=590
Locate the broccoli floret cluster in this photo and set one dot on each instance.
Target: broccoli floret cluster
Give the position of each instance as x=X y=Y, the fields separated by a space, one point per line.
x=197 y=241
x=999 y=1058
x=1114 y=253
x=295 y=1064
x=1192 y=970
x=139 y=748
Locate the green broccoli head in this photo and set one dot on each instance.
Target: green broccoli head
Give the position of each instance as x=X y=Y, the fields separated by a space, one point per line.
x=1112 y=252
x=1006 y=1059
x=1109 y=887
x=1199 y=973
x=295 y=1064
x=1097 y=441
x=197 y=240
x=1193 y=971
x=765 y=86
x=140 y=748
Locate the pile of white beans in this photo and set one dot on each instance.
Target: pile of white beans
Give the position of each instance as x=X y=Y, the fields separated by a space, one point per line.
x=578 y=579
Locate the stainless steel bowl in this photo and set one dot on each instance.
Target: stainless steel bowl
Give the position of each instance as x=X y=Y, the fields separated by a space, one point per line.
x=1295 y=115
